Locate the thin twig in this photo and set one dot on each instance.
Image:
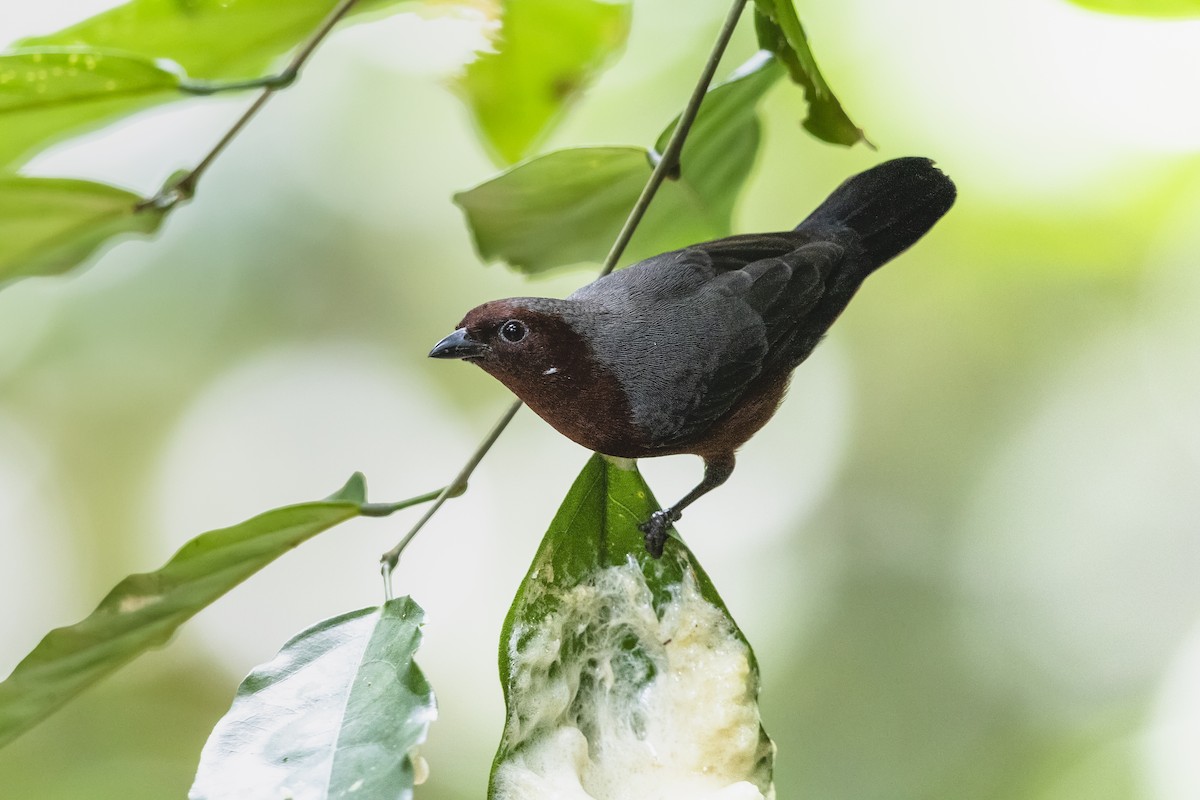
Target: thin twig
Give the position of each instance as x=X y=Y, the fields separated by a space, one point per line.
x=667 y=166
x=668 y=163
x=454 y=489
x=183 y=187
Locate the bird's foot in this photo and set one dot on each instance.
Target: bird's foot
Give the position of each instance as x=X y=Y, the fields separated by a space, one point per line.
x=655 y=529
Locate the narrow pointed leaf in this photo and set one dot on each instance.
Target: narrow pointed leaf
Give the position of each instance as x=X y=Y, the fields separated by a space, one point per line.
x=620 y=670
x=546 y=53
x=336 y=714
x=144 y=610
x=1168 y=9
x=51 y=225
x=780 y=31
x=46 y=93
x=566 y=207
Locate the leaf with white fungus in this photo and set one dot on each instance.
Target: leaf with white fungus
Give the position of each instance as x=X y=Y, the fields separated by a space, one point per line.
x=624 y=676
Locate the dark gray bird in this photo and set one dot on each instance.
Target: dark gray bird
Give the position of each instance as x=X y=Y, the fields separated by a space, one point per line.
x=691 y=351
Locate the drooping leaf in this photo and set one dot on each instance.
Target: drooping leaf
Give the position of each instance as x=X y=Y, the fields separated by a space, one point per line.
x=142 y=611
x=780 y=31
x=566 y=207
x=208 y=39
x=622 y=670
x=336 y=714
x=46 y=91
x=1170 y=9
x=546 y=53
x=50 y=225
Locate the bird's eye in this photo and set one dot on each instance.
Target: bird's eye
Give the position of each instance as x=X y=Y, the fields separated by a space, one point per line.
x=513 y=331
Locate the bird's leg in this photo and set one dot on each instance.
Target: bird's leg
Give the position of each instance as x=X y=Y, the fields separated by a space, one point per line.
x=716 y=472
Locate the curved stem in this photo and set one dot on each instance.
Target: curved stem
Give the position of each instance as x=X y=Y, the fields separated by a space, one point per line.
x=182 y=187
x=666 y=167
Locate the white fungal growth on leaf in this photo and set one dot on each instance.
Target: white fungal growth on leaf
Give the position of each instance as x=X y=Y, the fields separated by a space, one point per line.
x=612 y=698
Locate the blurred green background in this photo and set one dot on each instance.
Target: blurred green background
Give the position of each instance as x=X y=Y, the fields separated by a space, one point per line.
x=966 y=551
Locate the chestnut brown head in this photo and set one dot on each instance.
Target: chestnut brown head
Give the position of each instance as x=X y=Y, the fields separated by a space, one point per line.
x=516 y=338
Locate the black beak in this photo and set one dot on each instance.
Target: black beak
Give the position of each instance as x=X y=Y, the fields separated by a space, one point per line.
x=458 y=345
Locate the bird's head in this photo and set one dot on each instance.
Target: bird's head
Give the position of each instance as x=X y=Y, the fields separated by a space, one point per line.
x=535 y=348
x=523 y=342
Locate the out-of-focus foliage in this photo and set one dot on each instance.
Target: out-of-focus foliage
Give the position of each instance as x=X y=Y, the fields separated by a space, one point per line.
x=58 y=86
x=1171 y=9
x=49 y=225
x=567 y=207
x=46 y=91
x=605 y=652
x=337 y=713
x=208 y=39
x=780 y=31
x=102 y=69
x=546 y=53
x=143 y=611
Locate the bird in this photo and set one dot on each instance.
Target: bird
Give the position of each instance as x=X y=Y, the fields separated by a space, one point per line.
x=691 y=351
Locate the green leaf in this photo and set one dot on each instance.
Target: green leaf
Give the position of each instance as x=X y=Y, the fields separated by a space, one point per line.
x=547 y=52
x=48 y=91
x=780 y=31
x=50 y=225
x=1171 y=9
x=208 y=39
x=355 y=490
x=558 y=209
x=567 y=207
x=622 y=670
x=716 y=160
x=144 y=610
x=336 y=714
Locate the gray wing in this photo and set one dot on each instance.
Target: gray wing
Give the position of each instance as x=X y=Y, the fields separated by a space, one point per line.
x=738 y=314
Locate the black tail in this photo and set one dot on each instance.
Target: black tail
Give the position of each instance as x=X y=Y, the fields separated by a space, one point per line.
x=890 y=207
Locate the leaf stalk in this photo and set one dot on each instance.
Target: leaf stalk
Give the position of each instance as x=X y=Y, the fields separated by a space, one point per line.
x=182 y=187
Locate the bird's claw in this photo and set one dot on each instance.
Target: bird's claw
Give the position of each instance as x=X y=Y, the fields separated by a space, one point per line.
x=655 y=529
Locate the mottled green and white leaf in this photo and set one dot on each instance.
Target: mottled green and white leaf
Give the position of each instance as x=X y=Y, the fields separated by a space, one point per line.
x=623 y=675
